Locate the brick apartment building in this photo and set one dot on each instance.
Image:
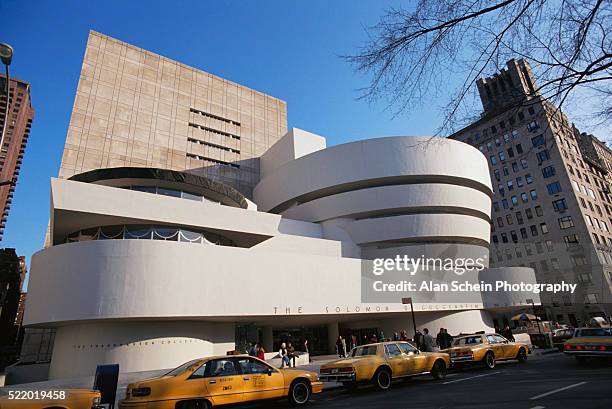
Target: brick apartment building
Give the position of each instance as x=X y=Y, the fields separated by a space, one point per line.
x=20 y=118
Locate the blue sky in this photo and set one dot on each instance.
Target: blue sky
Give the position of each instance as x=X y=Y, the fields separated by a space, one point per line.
x=288 y=49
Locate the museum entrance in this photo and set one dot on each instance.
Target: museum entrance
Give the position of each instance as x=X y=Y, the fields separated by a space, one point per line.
x=316 y=336
x=358 y=336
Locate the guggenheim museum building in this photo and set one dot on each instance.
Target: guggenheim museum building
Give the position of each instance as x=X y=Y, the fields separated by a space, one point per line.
x=187 y=220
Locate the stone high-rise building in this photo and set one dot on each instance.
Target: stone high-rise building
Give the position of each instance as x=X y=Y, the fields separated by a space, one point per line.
x=552 y=205
x=137 y=108
x=20 y=118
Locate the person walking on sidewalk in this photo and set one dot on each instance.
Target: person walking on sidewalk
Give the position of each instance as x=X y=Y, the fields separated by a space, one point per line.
x=448 y=338
x=341 y=347
x=428 y=341
x=261 y=353
x=440 y=338
x=307 y=350
x=253 y=349
x=507 y=333
x=418 y=340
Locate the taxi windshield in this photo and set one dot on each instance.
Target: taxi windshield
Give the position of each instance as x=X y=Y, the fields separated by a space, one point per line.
x=595 y=332
x=475 y=340
x=179 y=370
x=365 y=350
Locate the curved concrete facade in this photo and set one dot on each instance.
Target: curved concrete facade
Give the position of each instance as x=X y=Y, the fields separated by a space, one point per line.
x=151 y=304
x=386 y=190
x=369 y=163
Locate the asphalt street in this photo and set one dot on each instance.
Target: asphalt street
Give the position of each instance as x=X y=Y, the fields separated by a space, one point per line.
x=547 y=381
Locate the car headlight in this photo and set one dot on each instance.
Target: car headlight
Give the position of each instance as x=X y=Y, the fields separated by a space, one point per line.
x=141 y=392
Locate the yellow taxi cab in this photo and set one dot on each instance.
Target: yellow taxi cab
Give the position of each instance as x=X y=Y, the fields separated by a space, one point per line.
x=381 y=362
x=215 y=381
x=49 y=399
x=485 y=349
x=589 y=343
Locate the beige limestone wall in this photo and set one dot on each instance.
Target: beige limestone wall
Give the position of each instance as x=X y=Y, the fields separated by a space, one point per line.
x=136 y=108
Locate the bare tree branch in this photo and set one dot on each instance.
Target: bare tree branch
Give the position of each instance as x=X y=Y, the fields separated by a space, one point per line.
x=412 y=54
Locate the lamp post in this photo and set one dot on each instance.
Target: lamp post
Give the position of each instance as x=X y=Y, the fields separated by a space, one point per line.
x=530 y=301
x=6 y=55
x=408 y=300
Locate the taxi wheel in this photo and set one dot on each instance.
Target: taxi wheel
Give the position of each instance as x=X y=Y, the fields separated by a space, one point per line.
x=299 y=393
x=522 y=356
x=382 y=379
x=439 y=370
x=489 y=360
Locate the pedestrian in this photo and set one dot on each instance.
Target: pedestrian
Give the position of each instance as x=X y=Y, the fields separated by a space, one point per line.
x=283 y=355
x=507 y=333
x=307 y=350
x=261 y=353
x=448 y=339
x=440 y=338
x=341 y=347
x=428 y=341
x=291 y=353
x=353 y=341
x=373 y=339
x=396 y=336
x=403 y=336
x=418 y=340
x=253 y=349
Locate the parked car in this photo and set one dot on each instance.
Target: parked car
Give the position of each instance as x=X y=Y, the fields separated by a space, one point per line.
x=589 y=343
x=215 y=381
x=560 y=336
x=49 y=399
x=380 y=363
x=486 y=350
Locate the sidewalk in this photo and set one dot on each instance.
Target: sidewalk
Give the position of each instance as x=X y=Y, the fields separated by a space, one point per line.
x=543 y=351
x=316 y=363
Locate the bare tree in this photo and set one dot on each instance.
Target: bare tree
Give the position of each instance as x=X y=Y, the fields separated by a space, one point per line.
x=414 y=55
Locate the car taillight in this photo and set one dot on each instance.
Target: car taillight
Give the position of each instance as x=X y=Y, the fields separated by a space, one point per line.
x=579 y=347
x=567 y=347
x=602 y=348
x=141 y=392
